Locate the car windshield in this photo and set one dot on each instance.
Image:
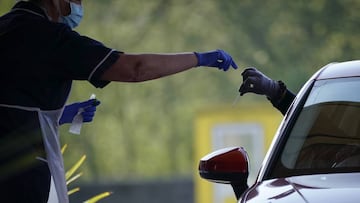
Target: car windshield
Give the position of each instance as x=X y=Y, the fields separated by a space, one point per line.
x=325 y=137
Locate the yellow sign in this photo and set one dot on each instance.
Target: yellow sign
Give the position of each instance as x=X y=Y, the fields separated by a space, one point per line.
x=250 y=126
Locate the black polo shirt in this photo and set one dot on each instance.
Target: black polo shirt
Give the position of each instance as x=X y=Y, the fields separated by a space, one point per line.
x=39 y=59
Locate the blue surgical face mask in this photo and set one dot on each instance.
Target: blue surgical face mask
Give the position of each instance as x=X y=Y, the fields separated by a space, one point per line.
x=75 y=16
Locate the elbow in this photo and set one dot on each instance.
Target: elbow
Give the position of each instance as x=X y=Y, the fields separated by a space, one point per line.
x=142 y=71
x=122 y=72
x=131 y=69
x=137 y=72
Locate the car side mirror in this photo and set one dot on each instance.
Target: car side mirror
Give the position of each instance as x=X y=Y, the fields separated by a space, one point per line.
x=227 y=166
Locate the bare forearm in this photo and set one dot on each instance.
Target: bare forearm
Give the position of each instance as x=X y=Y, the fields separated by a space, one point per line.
x=143 y=67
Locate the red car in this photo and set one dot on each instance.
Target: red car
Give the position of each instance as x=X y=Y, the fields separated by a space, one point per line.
x=315 y=154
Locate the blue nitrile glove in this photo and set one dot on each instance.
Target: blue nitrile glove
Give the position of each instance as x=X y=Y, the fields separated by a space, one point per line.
x=88 y=109
x=256 y=82
x=217 y=58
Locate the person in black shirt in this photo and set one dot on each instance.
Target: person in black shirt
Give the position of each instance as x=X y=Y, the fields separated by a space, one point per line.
x=41 y=55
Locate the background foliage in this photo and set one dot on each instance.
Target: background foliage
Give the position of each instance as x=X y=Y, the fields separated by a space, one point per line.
x=144 y=130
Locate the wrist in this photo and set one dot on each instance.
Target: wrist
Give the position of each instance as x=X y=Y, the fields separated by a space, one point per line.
x=279 y=93
x=206 y=58
x=199 y=58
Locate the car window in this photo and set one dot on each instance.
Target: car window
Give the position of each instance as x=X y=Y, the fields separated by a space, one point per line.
x=326 y=135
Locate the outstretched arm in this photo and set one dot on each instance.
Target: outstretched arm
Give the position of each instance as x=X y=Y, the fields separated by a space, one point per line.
x=143 y=67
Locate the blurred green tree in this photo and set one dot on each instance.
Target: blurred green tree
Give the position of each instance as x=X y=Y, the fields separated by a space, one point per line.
x=145 y=130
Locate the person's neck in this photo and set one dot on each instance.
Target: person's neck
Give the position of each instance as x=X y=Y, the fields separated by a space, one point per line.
x=49 y=8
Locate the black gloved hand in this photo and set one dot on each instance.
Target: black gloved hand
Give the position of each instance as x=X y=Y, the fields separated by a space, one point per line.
x=256 y=82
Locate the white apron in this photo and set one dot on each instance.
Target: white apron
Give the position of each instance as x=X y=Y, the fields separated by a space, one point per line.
x=49 y=127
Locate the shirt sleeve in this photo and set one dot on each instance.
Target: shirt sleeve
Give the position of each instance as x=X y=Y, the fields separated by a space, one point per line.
x=83 y=58
x=284 y=104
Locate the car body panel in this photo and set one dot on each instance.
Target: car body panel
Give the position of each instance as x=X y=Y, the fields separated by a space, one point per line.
x=309 y=188
x=340 y=70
